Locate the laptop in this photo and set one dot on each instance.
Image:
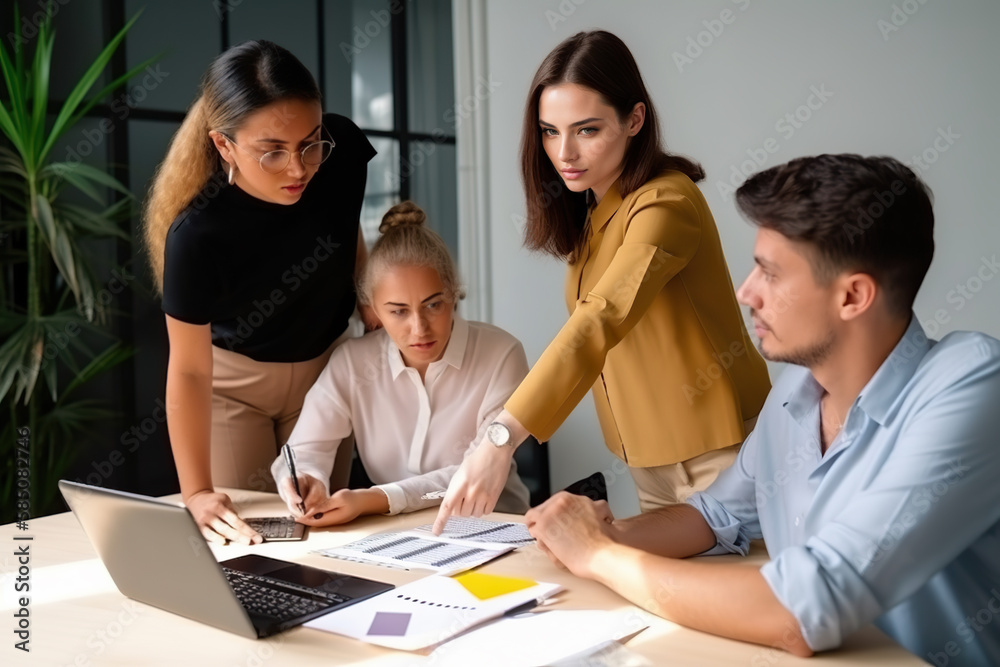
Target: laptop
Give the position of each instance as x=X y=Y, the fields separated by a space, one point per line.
x=156 y=555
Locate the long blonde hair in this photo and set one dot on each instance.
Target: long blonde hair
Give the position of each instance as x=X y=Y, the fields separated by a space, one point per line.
x=239 y=82
x=405 y=241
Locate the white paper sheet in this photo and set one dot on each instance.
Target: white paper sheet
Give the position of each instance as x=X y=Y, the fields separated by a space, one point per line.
x=423 y=613
x=411 y=549
x=538 y=638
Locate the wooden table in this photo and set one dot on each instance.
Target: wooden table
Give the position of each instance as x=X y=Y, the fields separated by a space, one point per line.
x=79 y=618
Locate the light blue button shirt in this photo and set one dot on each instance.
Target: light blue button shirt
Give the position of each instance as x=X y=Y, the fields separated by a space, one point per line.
x=899 y=523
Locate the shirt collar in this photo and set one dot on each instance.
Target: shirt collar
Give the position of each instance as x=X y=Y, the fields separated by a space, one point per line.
x=882 y=390
x=453 y=354
x=606 y=208
x=879 y=394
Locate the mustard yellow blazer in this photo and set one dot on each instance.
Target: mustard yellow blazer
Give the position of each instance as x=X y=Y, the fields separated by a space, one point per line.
x=654 y=329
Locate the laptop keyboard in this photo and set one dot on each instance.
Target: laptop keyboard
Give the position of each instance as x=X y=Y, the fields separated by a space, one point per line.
x=279 y=600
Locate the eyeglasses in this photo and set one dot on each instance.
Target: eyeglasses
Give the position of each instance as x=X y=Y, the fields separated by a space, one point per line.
x=275 y=162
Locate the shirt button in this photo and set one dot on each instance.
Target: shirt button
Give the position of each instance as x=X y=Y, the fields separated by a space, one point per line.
x=796 y=521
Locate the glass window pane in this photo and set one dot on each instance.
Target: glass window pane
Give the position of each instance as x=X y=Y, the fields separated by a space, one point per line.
x=148 y=141
x=172 y=82
x=362 y=43
x=338 y=56
x=430 y=65
x=382 y=190
x=290 y=24
x=433 y=179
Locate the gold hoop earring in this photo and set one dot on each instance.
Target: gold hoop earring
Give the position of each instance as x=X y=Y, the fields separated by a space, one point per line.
x=232 y=174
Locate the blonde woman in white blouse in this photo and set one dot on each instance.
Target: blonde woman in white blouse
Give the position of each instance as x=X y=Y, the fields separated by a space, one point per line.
x=418 y=393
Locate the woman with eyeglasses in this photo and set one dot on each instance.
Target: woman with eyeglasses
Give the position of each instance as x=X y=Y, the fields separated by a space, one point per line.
x=252 y=229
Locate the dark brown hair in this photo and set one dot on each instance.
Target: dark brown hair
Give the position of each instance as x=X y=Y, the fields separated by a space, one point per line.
x=867 y=214
x=601 y=62
x=238 y=83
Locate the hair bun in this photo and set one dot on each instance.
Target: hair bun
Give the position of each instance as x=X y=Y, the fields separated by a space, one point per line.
x=402 y=214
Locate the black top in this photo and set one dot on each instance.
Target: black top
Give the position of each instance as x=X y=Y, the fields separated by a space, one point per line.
x=275 y=281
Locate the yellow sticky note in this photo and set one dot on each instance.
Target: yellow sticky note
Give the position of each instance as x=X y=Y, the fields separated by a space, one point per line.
x=486 y=586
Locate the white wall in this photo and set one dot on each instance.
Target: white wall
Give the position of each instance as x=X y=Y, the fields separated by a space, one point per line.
x=893 y=92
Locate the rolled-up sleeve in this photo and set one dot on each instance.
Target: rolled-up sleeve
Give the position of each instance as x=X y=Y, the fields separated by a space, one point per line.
x=729 y=506
x=663 y=234
x=935 y=494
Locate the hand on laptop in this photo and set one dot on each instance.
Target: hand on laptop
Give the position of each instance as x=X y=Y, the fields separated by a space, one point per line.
x=218 y=521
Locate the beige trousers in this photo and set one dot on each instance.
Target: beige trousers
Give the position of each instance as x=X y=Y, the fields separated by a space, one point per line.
x=255 y=406
x=674 y=483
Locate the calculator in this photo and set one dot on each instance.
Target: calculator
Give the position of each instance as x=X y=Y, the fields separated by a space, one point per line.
x=277 y=528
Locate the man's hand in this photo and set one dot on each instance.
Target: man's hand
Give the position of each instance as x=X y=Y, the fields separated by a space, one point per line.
x=476 y=486
x=571 y=530
x=312 y=489
x=346 y=505
x=215 y=516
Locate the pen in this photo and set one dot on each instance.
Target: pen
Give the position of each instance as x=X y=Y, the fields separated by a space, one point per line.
x=290 y=462
x=433 y=495
x=529 y=605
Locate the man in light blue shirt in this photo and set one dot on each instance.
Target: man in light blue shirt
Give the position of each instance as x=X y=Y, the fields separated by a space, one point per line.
x=873 y=474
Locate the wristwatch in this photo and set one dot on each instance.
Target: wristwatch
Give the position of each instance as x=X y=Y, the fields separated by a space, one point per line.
x=499 y=435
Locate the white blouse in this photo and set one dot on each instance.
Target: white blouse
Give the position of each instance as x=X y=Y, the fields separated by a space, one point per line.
x=411 y=435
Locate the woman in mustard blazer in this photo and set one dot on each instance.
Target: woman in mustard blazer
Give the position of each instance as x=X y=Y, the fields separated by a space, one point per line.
x=655 y=329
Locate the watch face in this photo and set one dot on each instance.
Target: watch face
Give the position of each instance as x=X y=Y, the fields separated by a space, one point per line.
x=498 y=434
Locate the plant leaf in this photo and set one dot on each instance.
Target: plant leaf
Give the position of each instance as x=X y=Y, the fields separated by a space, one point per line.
x=40 y=99
x=12 y=75
x=92 y=223
x=104 y=92
x=68 y=170
x=85 y=83
x=60 y=247
x=105 y=361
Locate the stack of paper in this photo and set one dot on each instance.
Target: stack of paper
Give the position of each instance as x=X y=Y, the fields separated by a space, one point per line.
x=434 y=609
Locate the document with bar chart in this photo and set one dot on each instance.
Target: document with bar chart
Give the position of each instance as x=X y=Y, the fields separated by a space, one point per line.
x=413 y=549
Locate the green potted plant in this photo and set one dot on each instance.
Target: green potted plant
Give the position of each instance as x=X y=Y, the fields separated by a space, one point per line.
x=51 y=312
